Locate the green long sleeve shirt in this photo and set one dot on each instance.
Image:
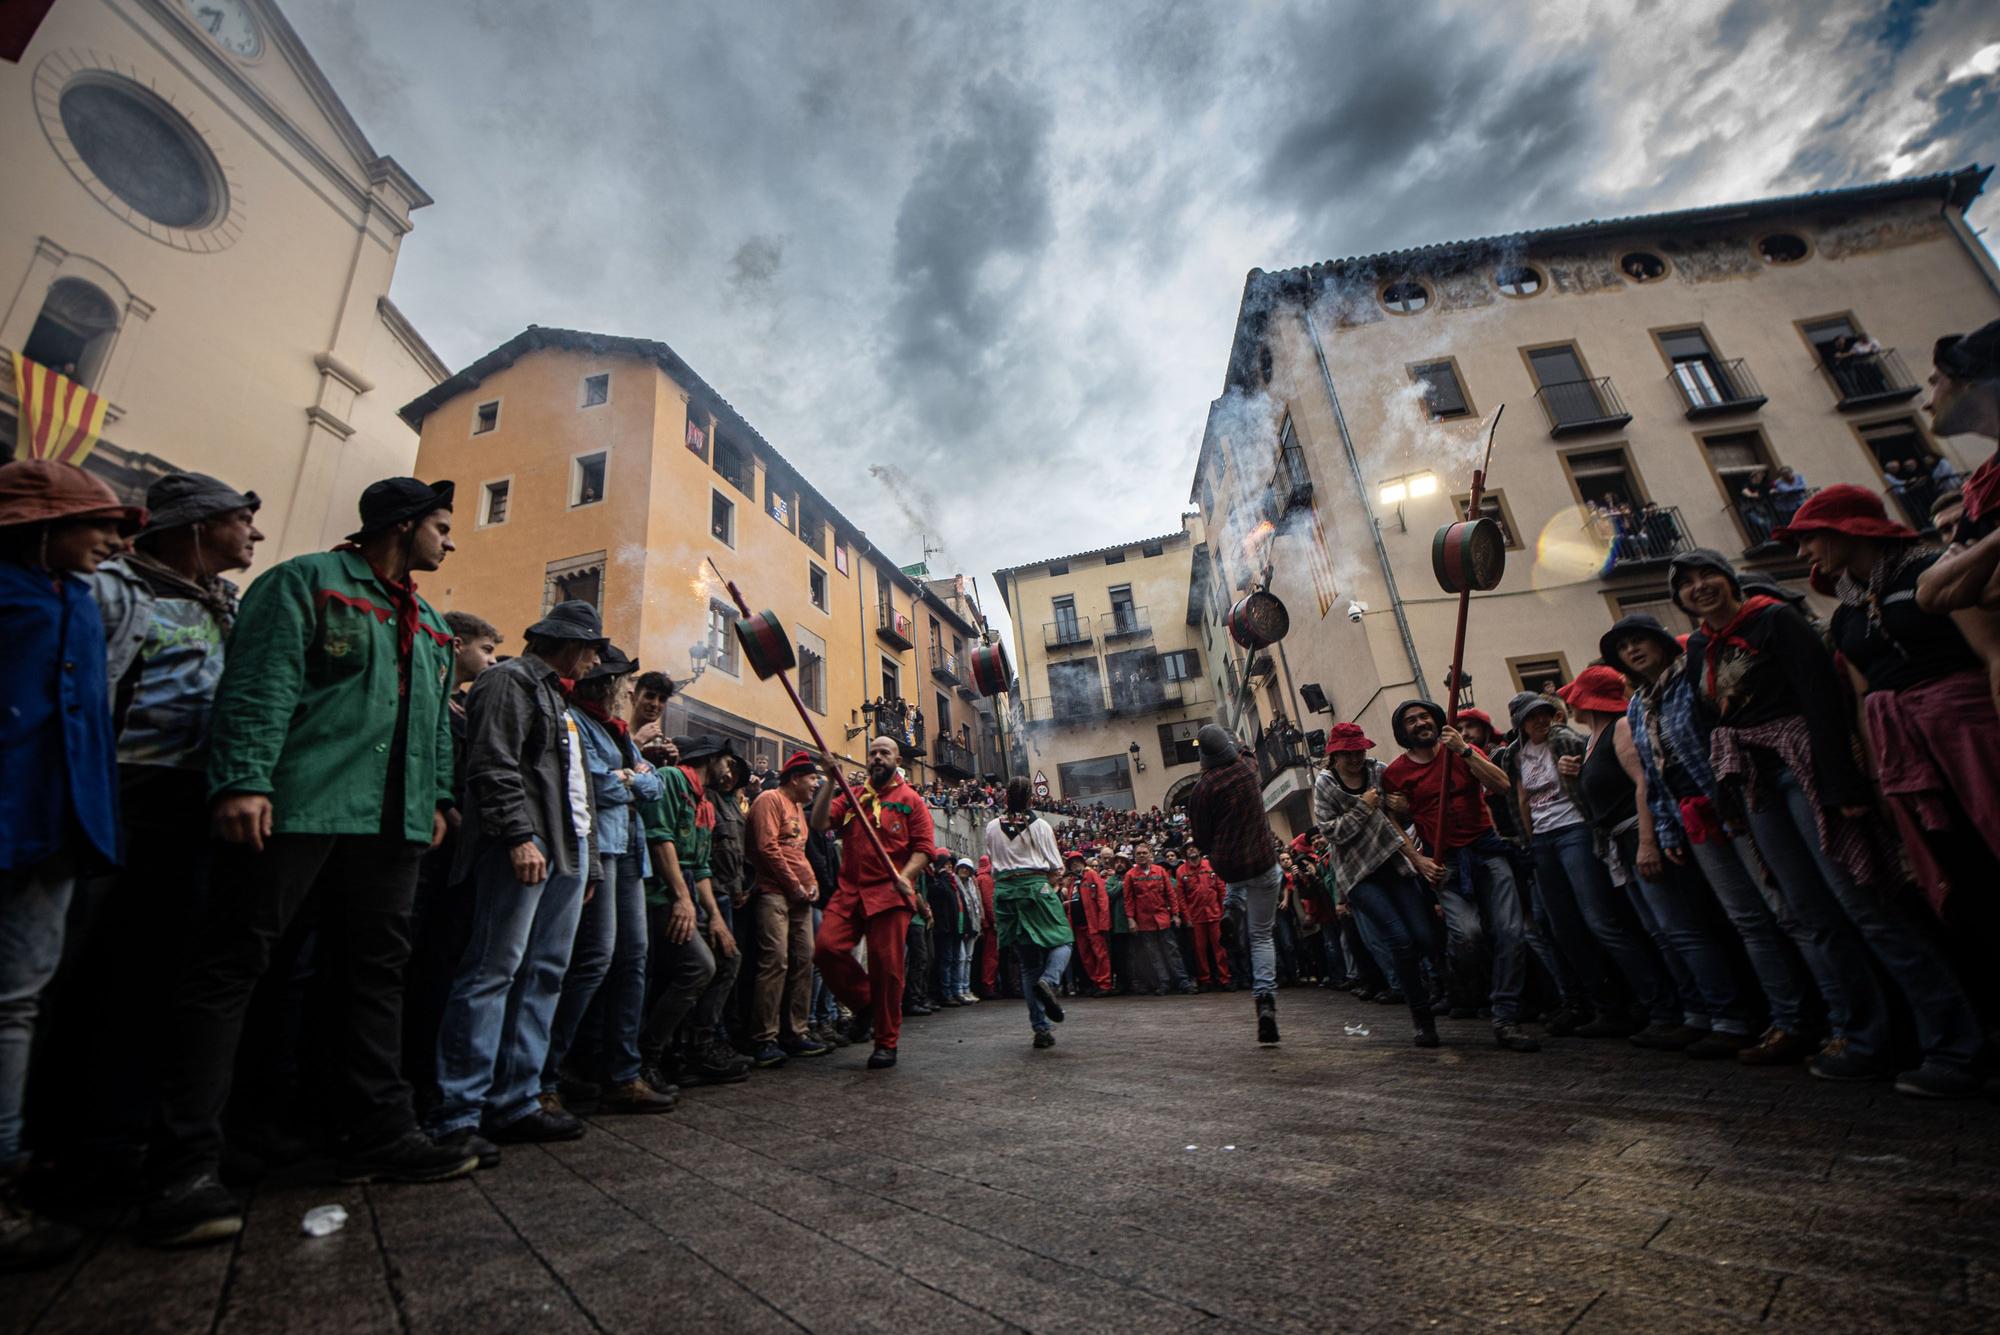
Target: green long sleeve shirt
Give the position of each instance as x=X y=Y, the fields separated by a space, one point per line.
x=677 y=817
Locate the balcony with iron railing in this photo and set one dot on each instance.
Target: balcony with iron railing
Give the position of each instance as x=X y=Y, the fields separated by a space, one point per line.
x=953 y=759
x=1126 y=622
x=1640 y=540
x=1293 y=483
x=944 y=665
x=1280 y=747
x=1147 y=695
x=1869 y=378
x=1575 y=406
x=1080 y=704
x=894 y=627
x=1710 y=388
x=1067 y=634
x=899 y=719
x=1760 y=516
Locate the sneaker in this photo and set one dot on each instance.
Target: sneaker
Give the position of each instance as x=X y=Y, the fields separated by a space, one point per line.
x=716 y=1063
x=805 y=1047
x=1718 y=1047
x=1044 y=1039
x=768 y=1055
x=1931 y=1081
x=537 y=1128
x=919 y=1009
x=1565 y=1021
x=410 y=1157
x=1607 y=1026
x=191 y=1212
x=1051 y=1006
x=1514 y=1038
x=1668 y=1037
x=881 y=1059
x=832 y=1034
x=1778 y=1047
x=1267 y=1019
x=467 y=1141
x=967 y=999
x=1835 y=1062
x=635 y=1096
x=1427 y=1033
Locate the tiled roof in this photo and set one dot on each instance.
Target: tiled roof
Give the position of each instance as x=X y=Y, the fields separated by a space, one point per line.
x=1095 y=551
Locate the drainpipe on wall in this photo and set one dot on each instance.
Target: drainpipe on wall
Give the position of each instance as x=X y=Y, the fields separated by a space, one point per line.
x=1374 y=524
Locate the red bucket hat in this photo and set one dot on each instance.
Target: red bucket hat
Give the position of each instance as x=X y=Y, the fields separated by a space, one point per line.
x=1597 y=688
x=1347 y=737
x=1477 y=716
x=1843 y=508
x=34 y=491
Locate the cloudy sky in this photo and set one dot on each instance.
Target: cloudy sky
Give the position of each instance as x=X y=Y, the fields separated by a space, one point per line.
x=975 y=267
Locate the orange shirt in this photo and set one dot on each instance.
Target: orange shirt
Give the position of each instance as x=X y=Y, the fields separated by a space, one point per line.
x=776 y=829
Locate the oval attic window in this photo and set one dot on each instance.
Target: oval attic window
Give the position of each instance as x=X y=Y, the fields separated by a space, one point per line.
x=1782 y=248
x=143 y=151
x=1643 y=266
x=1519 y=280
x=1407 y=297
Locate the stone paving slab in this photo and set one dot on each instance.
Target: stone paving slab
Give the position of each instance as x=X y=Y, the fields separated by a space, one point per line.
x=1334 y=1183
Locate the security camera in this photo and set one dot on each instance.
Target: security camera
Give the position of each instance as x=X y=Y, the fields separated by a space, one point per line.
x=1355 y=610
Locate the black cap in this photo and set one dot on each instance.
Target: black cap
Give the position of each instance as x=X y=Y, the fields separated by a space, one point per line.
x=1400 y=731
x=611 y=662
x=1635 y=623
x=703 y=746
x=394 y=499
x=571 y=620
x=180 y=499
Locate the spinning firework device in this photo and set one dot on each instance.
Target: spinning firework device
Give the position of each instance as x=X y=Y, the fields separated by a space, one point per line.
x=1466 y=555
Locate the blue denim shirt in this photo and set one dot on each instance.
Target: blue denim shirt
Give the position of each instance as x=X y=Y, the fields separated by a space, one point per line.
x=58 y=764
x=1683 y=730
x=619 y=829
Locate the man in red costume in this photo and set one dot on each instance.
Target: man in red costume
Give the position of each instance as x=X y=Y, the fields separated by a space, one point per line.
x=1201 y=906
x=1154 y=903
x=988 y=961
x=1092 y=947
x=873 y=900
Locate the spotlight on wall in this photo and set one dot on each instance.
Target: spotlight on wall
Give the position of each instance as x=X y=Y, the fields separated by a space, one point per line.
x=1315 y=698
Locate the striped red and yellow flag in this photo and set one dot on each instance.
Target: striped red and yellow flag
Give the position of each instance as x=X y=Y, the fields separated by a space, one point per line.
x=60 y=419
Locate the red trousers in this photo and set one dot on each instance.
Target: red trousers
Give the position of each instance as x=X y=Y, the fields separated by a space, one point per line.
x=1211 y=962
x=1095 y=957
x=986 y=960
x=876 y=991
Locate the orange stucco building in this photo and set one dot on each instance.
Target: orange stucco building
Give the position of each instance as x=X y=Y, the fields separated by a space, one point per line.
x=599 y=467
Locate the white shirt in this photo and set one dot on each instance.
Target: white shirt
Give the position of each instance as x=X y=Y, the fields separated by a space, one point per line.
x=1549 y=807
x=579 y=791
x=1033 y=849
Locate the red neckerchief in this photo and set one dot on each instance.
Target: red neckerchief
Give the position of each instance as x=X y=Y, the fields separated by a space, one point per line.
x=704 y=810
x=1728 y=634
x=402 y=597
x=596 y=709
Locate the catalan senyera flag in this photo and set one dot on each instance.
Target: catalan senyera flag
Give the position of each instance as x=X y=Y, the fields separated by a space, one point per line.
x=60 y=419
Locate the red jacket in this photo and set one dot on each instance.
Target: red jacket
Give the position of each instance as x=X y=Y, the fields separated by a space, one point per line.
x=1201 y=893
x=904 y=822
x=984 y=880
x=1150 y=898
x=1096 y=903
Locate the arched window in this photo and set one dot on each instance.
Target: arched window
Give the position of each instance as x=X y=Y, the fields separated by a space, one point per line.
x=1782 y=248
x=1519 y=280
x=73 y=332
x=1642 y=266
x=1406 y=297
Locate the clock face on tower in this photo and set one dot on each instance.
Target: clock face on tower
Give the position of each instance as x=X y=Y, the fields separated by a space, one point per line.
x=229 y=25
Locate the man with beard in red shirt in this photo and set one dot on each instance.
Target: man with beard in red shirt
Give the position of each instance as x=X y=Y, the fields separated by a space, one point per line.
x=1154 y=903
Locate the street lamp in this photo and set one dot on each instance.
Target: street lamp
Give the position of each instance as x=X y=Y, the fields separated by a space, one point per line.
x=698 y=657
x=1137 y=763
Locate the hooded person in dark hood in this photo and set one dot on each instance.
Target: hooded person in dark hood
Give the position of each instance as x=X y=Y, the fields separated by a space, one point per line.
x=1225 y=811
x=1782 y=753
x=1474 y=878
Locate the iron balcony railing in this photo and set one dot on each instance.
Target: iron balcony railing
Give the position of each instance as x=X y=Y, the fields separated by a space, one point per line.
x=1280 y=747
x=898 y=719
x=1293 y=484
x=1122 y=622
x=1640 y=538
x=1869 y=378
x=1582 y=405
x=1914 y=496
x=1760 y=516
x=944 y=665
x=953 y=760
x=1067 y=634
x=1069 y=705
x=1145 y=695
x=893 y=626
x=1710 y=387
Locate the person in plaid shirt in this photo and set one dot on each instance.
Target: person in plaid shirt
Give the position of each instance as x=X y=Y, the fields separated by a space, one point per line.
x=1226 y=817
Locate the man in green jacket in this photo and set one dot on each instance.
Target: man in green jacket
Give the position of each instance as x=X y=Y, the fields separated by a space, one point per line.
x=329 y=769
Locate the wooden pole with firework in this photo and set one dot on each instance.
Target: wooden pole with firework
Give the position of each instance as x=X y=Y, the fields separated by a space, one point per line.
x=1465 y=555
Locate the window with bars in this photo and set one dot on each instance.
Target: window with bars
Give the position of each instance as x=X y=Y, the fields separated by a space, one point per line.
x=722 y=637
x=733 y=465
x=812 y=670
x=493 y=502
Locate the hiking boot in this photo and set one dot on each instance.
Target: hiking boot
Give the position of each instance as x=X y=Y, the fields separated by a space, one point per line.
x=1044 y=1039
x=1427 y=1032
x=192 y=1211
x=1566 y=1020
x=831 y=1033
x=635 y=1096
x=539 y=1127
x=1051 y=1004
x=1267 y=1019
x=1718 y=1047
x=1931 y=1081
x=805 y=1047
x=1778 y=1047
x=1835 y=1062
x=881 y=1059
x=410 y=1157
x=467 y=1141
x=1607 y=1025
x=659 y=1080
x=1668 y=1037
x=1514 y=1038
x=716 y=1063
x=768 y=1055
x=552 y=1102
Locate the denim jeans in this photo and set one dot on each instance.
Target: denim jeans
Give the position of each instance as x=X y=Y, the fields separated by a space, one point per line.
x=825 y=1010
x=498 y=1020
x=609 y=966
x=1676 y=914
x=1255 y=903
x=1488 y=910
x=1588 y=915
x=961 y=966
x=1389 y=913
x=1857 y=918
x=34 y=910
x=1542 y=933
x=1044 y=963
x=1772 y=937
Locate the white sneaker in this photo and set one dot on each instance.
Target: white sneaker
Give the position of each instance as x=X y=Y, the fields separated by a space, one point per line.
x=967 y=999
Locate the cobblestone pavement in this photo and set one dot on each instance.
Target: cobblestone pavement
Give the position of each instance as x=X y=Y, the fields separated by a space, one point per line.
x=1156 y=1171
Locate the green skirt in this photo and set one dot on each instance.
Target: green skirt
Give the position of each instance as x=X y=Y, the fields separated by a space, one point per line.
x=1027 y=908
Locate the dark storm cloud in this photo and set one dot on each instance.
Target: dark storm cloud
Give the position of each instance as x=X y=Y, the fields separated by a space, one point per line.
x=757 y=261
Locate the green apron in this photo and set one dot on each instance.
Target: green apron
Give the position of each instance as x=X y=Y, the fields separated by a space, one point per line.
x=1026 y=907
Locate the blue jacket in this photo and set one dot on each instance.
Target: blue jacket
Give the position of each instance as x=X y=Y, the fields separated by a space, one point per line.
x=58 y=762
x=616 y=820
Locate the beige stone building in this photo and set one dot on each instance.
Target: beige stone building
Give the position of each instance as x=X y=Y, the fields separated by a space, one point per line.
x=1111 y=670
x=194 y=221
x=1657 y=374
x=605 y=468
